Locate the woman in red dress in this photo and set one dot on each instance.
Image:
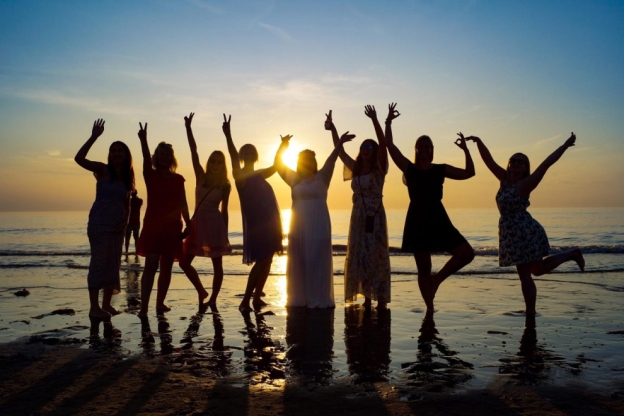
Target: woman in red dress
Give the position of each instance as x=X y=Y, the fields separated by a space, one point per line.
x=160 y=240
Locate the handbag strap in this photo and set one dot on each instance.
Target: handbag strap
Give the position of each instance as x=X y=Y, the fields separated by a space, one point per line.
x=200 y=202
x=362 y=196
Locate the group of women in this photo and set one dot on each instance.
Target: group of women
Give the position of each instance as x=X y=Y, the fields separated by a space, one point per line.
x=428 y=229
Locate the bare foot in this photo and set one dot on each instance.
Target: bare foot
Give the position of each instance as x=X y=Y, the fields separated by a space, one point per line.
x=211 y=302
x=382 y=306
x=258 y=303
x=162 y=308
x=367 y=303
x=578 y=258
x=202 y=296
x=111 y=310
x=142 y=315
x=244 y=308
x=99 y=314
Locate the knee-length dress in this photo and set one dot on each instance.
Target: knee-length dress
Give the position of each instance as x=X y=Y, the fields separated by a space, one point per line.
x=367 y=265
x=309 y=270
x=428 y=227
x=521 y=239
x=208 y=236
x=162 y=224
x=107 y=212
x=262 y=222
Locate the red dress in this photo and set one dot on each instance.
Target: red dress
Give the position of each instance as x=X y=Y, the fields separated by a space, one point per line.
x=162 y=224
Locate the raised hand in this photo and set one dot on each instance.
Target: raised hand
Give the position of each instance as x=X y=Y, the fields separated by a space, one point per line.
x=328 y=120
x=392 y=112
x=461 y=141
x=475 y=139
x=98 y=128
x=188 y=120
x=370 y=111
x=571 y=141
x=346 y=137
x=226 y=125
x=142 y=131
x=286 y=138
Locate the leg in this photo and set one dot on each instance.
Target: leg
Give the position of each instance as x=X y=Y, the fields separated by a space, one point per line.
x=423 y=265
x=147 y=282
x=135 y=234
x=217 y=280
x=367 y=302
x=264 y=268
x=164 y=279
x=191 y=273
x=95 y=311
x=550 y=263
x=106 y=302
x=529 y=291
x=460 y=257
x=128 y=232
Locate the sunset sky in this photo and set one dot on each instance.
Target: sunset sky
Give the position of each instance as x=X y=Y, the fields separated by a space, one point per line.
x=521 y=75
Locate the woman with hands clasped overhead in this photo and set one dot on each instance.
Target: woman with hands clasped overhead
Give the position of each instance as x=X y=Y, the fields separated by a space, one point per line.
x=160 y=241
x=208 y=235
x=522 y=240
x=367 y=264
x=107 y=219
x=309 y=271
x=262 y=224
x=427 y=226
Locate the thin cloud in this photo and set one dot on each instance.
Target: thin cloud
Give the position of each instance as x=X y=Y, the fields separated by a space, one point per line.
x=207 y=6
x=281 y=33
x=548 y=140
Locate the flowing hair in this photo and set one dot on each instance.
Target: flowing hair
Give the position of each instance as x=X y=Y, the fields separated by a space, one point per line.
x=527 y=172
x=220 y=179
x=169 y=148
x=127 y=171
x=422 y=138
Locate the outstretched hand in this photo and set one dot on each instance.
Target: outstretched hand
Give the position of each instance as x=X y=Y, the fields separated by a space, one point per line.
x=142 y=131
x=370 y=111
x=461 y=141
x=346 y=137
x=226 y=125
x=474 y=139
x=188 y=120
x=328 y=120
x=286 y=138
x=392 y=112
x=98 y=128
x=571 y=141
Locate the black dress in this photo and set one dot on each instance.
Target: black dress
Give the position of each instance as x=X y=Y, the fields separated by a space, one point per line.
x=427 y=226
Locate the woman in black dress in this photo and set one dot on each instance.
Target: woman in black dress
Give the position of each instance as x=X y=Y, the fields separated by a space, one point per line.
x=427 y=226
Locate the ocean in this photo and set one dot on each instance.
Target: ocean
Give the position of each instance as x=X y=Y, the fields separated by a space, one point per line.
x=578 y=332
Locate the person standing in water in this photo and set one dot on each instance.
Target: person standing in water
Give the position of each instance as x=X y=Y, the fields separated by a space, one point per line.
x=134 y=223
x=522 y=241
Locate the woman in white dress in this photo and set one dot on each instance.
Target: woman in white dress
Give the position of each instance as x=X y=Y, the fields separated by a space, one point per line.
x=309 y=271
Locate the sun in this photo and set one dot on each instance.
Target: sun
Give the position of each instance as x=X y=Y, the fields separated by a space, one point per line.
x=290 y=156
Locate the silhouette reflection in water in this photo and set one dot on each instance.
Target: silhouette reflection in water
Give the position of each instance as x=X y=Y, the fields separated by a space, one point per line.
x=264 y=358
x=437 y=366
x=133 y=297
x=533 y=363
x=367 y=341
x=310 y=339
x=111 y=340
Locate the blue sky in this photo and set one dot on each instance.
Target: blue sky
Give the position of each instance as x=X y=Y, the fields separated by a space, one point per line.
x=520 y=74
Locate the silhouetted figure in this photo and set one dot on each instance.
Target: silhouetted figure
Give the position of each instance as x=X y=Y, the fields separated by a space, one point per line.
x=107 y=220
x=134 y=222
x=160 y=240
x=262 y=225
x=367 y=264
x=208 y=236
x=309 y=271
x=427 y=226
x=522 y=240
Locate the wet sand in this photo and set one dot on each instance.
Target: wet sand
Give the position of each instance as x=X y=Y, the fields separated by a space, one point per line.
x=476 y=355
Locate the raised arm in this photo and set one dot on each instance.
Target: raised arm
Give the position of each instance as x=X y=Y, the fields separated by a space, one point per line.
x=527 y=185
x=98 y=168
x=397 y=157
x=382 y=152
x=236 y=169
x=327 y=170
x=288 y=175
x=468 y=172
x=329 y=125
x=147 y=158
x=498 y=171
x=197 y=167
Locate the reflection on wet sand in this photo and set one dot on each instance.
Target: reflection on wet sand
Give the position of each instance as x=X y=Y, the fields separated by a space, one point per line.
x=264 y=358
x=367 y=341
x=310 y=339
x=533 y=362
x=111 y=340
x=133 y=298
x=437 y=366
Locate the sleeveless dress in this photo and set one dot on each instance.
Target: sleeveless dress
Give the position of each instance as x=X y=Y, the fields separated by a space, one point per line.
x=521 y=239
x=107 y=212
x=208 y=236
x=162 y=224
x=427 y=226
x=309 y=271
x=367 y=265
x=262 y=223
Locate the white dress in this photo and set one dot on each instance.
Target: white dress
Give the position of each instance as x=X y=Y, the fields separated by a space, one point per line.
x=309 y=272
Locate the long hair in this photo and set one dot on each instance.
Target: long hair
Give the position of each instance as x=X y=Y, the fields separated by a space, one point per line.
x=307 y=153
x=359 y=162
x=422 y=138
x=250 y=147
x=167 y=148
x=127 y=171
x=527 y=164
x=219 y=180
